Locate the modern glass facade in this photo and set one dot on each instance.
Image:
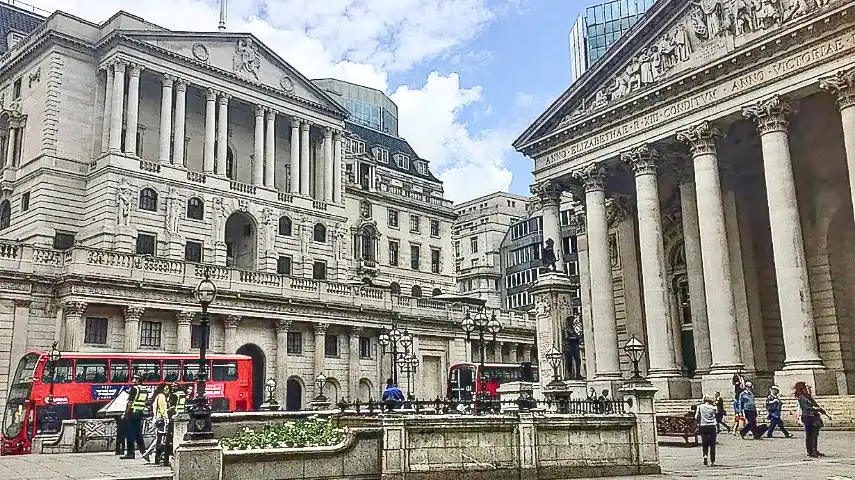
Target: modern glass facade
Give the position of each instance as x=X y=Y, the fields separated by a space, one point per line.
x=599 y=28
x=371 y=116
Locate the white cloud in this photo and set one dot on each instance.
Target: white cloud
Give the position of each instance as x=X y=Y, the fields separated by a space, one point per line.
x=362 y=41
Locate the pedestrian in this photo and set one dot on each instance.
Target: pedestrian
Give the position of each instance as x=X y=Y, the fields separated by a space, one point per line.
x=773 y=413
x=720 y=413
x=176 y=406
x=811 y=415
x=392 y=396
x=706 y=415
x=120 y=429
x=161 y=416
x=748 y=409
x=605 y=402
x=134 y=412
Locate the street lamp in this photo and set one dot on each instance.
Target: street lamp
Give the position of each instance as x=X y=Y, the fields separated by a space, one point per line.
x=54 y=356
x=320 y=383
x=409 y=364
x=634 y=349
x=200 y=417
x=481 y=325
x=553 y=358
x=395 y=342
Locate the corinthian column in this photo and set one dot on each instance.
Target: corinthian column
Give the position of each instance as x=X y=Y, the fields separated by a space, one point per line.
x=116 y=111
x=282 y=329
x=165 y=118
x=210 y=129
x=105 y=123
x=549 y=193
x=304 y=158
x=258 y=152
x=353 y=362
x=133 y=109
x=184 y=320
x=231 y=324
x=337 y=185
x=645 y=163
x=842 y=86
x=721 y=312
x=132 y=328
x=602 y=288
x=222 y=133
x=328 y=165
x=296 y=174
x=794 y=294
x=180 y=110
x=320 y=344
x=270 y=150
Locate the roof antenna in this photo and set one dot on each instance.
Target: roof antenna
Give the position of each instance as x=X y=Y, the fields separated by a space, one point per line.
x=222 y=26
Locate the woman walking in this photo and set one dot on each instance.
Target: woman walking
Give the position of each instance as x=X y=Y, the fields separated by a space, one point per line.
x=720 y=413
x=161 y=417
x=811 y=415
x=706 y=416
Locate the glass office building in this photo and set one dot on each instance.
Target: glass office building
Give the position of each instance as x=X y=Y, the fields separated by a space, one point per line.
x=598 y=28
x=368 y=107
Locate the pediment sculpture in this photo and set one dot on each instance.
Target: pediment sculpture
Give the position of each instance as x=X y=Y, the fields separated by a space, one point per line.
x=246 y=60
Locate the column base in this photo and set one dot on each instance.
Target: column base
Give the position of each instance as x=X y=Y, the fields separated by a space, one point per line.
x=670 y=387
x=823 y=381
x=718 y=381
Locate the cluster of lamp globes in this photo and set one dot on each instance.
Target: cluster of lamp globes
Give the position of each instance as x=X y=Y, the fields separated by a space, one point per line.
x=406 y=359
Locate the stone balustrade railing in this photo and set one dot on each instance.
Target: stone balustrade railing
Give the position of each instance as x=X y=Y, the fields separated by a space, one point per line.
x=110 y=265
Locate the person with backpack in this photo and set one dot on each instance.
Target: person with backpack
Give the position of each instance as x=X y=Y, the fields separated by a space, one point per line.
x=392 y=396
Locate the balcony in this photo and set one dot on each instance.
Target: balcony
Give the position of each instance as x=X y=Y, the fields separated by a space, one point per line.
x=111 y=267
x=368 y=267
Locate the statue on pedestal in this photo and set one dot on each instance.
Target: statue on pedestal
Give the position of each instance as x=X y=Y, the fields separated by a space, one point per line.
x=547 y=256
x=572 y=347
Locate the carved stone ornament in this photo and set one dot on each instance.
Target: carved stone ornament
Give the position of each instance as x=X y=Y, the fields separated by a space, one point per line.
x=578 y=220
x=133 y=313
x=321 y=328
x=200 y=52
x=618 y=209
x=246 y=60
x=770 y=114
x=842 y=86
x=34 y=77
x=548 y=191
x=287 y=84
x=643 y=159
x=185 y=317
x=173 y=212
x=700 y=138
x=283 y=326
x=232 y=321
x=593 y=176
x=218 y=219
x=542 y=306
x=243 y=205
x=125 y=196
x=74 y=309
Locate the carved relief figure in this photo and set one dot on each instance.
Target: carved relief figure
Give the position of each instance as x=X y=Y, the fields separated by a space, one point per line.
x=572 y=344
x=338 y=238
x=246 y=59
x=682 y=46
x=305 y=237
x=797 y=9
x=646 y=68
x=548 y=256
x=268 y=221
x=542 y=308
x=601 y=99
x=633 y=73
x=126 y=196
x=217 y=219
x=745 y=17
x=769 y=14
x=620 y=88
x=173 y=212
x=711 y=14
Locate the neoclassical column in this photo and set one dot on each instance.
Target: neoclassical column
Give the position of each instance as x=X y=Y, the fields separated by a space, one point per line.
x=644 y=161
x=296 y=174
x=184 y=319
x=133 y=314
x=282 y=374
x=75 y=329
x=180 y=113
x=10 y=150
x=222 y=133
x=353 y=370
x=270 y=150
x=116 y=111
x=549 y=193
x=304 y=157
x=526 y=353
x=512 y=352
x=165 y=118
x=231 y=324
x=600 y=272
x=133 y=109
x=842 y=86
x=721 y=310
x=329 y=165
x=794 y=295
x=258 y=150
x=320 y=344
x=106 y=119
x=337 y=183
x=210 y=129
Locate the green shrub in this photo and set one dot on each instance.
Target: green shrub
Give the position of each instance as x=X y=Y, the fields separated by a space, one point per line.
x=313 y=432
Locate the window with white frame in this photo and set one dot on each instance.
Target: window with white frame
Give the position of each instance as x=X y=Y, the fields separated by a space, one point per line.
x=421 y=168
x=382 y=155
x=403 y=161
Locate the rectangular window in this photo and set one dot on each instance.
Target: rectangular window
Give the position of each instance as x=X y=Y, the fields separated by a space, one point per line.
x=295 y=343
x=434 y=228
x=415 y=225
x=16 y=89
x=393 y=254
x=171 y=371
x=283 y=265
x=473 y=244
x=415 y=252
x=393 y=218
x=146 y=244
x=149 y=369
x=364 y=347
x=90 y=371
x=191 y=370
x=224 y=371
x=96 y=331
x=331 y=346
x=120 y=371
x=63 y=241
x=434 y=260
x=25 y=201
x=193 y=251
x=382 y=155
x=196 y=334
x=319 y=270
x=63 y=373
x=150 y=334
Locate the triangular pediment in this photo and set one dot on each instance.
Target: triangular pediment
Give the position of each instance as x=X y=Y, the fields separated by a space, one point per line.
x=673 y=38
x=241 y=55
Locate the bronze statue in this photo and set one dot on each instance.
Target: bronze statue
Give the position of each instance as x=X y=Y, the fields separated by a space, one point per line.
x=547 y=256
x=572 y=347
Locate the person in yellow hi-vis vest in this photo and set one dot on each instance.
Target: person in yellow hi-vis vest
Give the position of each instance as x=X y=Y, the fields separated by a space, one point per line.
x=134 y=412
x=177 y=406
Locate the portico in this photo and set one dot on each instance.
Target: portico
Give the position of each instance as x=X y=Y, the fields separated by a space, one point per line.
x=735 y=252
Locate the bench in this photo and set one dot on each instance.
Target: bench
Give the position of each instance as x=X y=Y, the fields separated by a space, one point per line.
x=677 y=426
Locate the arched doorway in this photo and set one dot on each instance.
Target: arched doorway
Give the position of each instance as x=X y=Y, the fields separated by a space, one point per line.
x=365 y=390
x=240 y=241
x=293 y=394
x=258 y=378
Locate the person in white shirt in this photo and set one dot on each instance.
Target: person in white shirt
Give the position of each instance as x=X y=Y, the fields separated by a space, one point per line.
x=705 y=414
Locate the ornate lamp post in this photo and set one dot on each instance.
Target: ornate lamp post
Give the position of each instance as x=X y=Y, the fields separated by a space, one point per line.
x=200 y=416
x=482 y=326
x=270 y=403
x=320 y=402
x=409 y=365
x=395 y=343
x=634 y=349
x=553 y=358
x=54 y=356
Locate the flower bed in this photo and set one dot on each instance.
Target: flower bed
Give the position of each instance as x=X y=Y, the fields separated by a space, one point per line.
x=313 y=432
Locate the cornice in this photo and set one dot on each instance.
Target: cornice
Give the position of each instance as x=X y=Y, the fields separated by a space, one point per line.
x=391 y=199
x=40 y=43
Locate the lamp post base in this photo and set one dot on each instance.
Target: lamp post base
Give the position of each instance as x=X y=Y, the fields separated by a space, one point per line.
x=200 y=427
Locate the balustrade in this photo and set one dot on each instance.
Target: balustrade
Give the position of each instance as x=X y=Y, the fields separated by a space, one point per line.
x=243 y=187
x=197 y=177
x=149 y=166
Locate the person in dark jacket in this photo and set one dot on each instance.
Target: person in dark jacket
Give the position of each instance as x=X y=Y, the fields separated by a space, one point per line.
x=811 y=415
x=392 y=396
x=748 y=408
x=773 y=413
x=720 y=413
x=134 y=413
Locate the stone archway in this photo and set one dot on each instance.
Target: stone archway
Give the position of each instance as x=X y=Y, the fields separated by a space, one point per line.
x=365 y=390
x=241 y=234
x=258 y=374
x=294 y=394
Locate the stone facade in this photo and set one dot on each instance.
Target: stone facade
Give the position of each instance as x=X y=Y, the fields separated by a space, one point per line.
x=711 y=148
x=135 y=159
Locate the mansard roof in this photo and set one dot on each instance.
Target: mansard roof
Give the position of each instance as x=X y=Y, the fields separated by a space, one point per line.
x=14 y=19
x=374 y=138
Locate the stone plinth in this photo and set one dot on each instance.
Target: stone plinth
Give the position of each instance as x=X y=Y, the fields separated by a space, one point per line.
x=199 y=460
x=551 y=294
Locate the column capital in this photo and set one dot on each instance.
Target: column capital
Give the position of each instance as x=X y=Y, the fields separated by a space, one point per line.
x=223 y=98
x=295 y=122
x=185 y=317
x=136 y=69
x=356 y=332
x=321 y=328
x=643 y=159
x=701 y=138
x=769 y=114
x=284 y=326
x=74 y=308
x=232 y=321
x=210 y=94
x=259 y=110
x=133 y=313
x=272 y=113
x=304 y=125
x=119 y=66
x=167 y=80
x=593 y=176
x=842 y=86
x=548 y=192
x=181 y=84
x=328 y=132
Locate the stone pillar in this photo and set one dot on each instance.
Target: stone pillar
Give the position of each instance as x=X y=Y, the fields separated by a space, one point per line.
x=304 y=158
x=165 y=118
x=10 y=150
x=117 y=110
x=721 y=310
x=551 y=294
x=74 y=325
x=133 y=109
x=512 y=352
x=270 y=150
x=210 y=129
x=646 y=436
x=133 y=314
x=105 y=121
x=258 y=150
x=329 y=165
x=602 y=289
x=183 y=338
x=282 y=373
x=338 y=187
x=526 y=353
x=296 y=174
x=842 y=86
x=794 y=296
x=180 y=111
x=320 y=351
x=589 y=360
x=549 y=194
x=222 y=133
x=231 y=342
x=353 y=371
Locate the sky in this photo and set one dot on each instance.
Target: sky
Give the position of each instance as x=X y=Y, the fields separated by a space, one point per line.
x=468 y=76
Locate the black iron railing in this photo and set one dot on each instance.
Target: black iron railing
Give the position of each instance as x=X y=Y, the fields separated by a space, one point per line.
x=491 y=406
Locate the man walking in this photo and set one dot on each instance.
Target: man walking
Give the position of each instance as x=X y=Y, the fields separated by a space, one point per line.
x=748 y=408
x=134 y=411
x=773 y=413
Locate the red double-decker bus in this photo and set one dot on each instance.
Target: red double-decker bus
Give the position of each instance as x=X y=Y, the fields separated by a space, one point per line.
x=463 y=378
x=84 y=382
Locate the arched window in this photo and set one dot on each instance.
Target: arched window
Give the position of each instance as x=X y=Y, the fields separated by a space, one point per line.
x=320 y=233
x=396 y=289
x=148 y=200
x=416 y=292
x=285 y=226
x=368 y=239
x=436 y=292
x=195 y=208
x=5 y=214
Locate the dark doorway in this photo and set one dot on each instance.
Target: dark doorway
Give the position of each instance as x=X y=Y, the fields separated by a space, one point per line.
x=293 y=395
x=254 y=352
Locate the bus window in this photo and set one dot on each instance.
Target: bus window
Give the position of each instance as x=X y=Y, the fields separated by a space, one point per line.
x=64 y=372
x=191 y=370
x=224 y=371
x=149 y=369
x=50 y=418
x=120 y=371
x=83 y=411
x=220 y=404
x=171 y=370
x=90 y=371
